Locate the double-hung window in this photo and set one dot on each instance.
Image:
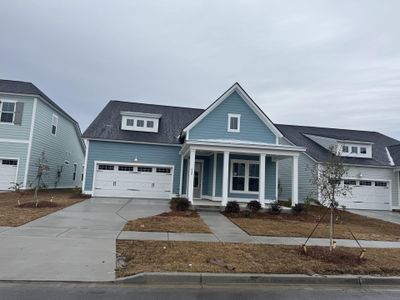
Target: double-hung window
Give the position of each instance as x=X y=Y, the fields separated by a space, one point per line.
x=7 y=112
x=244 y=177
x=233 y=123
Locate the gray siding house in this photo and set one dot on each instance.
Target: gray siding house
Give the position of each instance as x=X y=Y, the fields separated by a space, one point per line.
x=227 y=151
x=372 y=159
x=32 y=124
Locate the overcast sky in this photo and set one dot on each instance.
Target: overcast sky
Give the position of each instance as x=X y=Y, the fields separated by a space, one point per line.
x=318 y=63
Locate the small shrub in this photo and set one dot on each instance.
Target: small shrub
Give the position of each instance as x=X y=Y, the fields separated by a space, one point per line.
x=179 y=204
x=298 y=208
x=254 y=206
x=286 y=203
x=276 y=208
x=77 y=190
x=344 y=207
x=232 y=207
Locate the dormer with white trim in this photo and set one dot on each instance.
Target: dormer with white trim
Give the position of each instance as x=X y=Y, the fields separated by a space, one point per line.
x=139 y=121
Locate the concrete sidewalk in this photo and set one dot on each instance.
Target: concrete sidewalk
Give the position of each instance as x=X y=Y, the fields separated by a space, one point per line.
x=223 y=230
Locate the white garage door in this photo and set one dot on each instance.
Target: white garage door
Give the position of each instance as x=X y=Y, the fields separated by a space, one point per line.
x=8 y=171
x=114 y=180
x=367 y=194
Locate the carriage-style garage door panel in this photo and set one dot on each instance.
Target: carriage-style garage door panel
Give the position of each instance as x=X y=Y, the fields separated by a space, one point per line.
x=139 y=181
x=367 y=194
x=8 y=172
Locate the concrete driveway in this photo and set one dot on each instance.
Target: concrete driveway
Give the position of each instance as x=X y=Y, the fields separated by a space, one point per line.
x=389 y=216
x=73 y=244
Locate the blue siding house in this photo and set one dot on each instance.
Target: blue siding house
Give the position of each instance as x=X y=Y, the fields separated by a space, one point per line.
x=228 y=151
x=32 y=124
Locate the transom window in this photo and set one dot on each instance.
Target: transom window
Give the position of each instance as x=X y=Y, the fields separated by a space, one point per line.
x=163 y=170
x=354 y=150
x=345 y=149
x=244 y=177
x=350 y=182
x=125 y=168
x=365 y=183
x=106 y=167
x=10 y=162
x=145 y=169
x=233 y=122
x=7 y=112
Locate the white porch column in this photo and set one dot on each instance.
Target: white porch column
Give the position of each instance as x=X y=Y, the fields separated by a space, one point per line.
x=261 y=181
x=214 y=174
x=225 y=178
x=295 y=180
x=192 y=158
x=181 y=177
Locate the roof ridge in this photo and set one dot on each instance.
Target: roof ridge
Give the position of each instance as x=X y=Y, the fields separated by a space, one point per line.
x=153 y=104
x=334 y=128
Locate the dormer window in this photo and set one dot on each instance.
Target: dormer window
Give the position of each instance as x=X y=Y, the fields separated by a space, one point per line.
x=363 y=150
x=138 y=121
x=354 y=150
x=233 y=123
x=345 y=149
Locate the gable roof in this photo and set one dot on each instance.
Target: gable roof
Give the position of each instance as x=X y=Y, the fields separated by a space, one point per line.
x=29 y=89
x=107 y=124
x=298 y=136
x=242 y=93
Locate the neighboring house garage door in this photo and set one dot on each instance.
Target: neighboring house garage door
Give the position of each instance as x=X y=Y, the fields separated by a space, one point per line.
x=367 y=194
x=139 y=181
x=8 y=172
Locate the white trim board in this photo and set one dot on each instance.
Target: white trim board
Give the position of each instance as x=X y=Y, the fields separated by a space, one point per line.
x=235 y=88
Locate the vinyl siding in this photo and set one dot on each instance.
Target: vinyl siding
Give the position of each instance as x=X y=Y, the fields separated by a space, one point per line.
x=126 y=152
x=215 y=124
x=64 y=146
x=306 y=187
x=20 y=132
x=18 y=151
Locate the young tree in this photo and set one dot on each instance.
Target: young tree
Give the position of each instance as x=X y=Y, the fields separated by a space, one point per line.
x=328 y=179
x=42 y=166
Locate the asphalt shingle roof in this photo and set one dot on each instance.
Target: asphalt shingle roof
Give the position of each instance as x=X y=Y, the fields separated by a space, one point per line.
x=297 y=135
x=28 y=88
x=395 y=153
x=107 y=124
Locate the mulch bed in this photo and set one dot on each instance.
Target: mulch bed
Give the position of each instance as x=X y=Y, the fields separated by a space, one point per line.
x=301 y=225
x=40 y=204
x=173 y=221
x=174 y=256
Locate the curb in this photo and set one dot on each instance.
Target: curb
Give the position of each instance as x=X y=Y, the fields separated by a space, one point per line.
x=215 y=279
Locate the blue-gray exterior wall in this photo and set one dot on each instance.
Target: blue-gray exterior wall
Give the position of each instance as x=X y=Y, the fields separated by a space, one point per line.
x=64 y=146
x=16 y=151
x=126 y=153
x=215 y=124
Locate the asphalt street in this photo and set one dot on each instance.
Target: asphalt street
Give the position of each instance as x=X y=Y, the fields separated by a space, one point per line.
x=66 y=291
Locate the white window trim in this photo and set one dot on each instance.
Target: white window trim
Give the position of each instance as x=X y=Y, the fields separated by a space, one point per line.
x=246 y=176
x=1 y=110
x=54 y=122
x=230 y=116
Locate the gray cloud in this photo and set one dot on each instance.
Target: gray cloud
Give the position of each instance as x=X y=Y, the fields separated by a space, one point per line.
x=322 y=63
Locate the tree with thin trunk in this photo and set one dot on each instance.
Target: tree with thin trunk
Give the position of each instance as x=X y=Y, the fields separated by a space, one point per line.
x=328 y=179
x=42 y=166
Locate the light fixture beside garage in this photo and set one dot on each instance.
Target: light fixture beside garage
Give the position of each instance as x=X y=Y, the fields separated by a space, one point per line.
x=136 y=159
x=360 y=175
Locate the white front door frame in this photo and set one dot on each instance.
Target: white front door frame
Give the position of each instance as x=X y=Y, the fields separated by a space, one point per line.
x=201 y=162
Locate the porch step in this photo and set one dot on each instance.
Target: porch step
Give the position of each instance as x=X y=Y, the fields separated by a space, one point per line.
x=207 y=208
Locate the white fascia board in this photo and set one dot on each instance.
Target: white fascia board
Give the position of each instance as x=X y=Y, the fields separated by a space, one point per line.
x=140 y=114
x=389 y=157
x=236 y=88
x=132 y=142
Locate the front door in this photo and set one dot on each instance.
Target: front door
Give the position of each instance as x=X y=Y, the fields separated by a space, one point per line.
x=198 y=179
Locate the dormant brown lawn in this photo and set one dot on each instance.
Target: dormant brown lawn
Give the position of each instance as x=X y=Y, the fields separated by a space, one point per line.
x=301 y=225
x=174 y=221
x=162 y=256
x=12 y=215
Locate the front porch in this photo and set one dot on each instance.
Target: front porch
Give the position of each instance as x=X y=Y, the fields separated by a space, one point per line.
x=222 y=171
